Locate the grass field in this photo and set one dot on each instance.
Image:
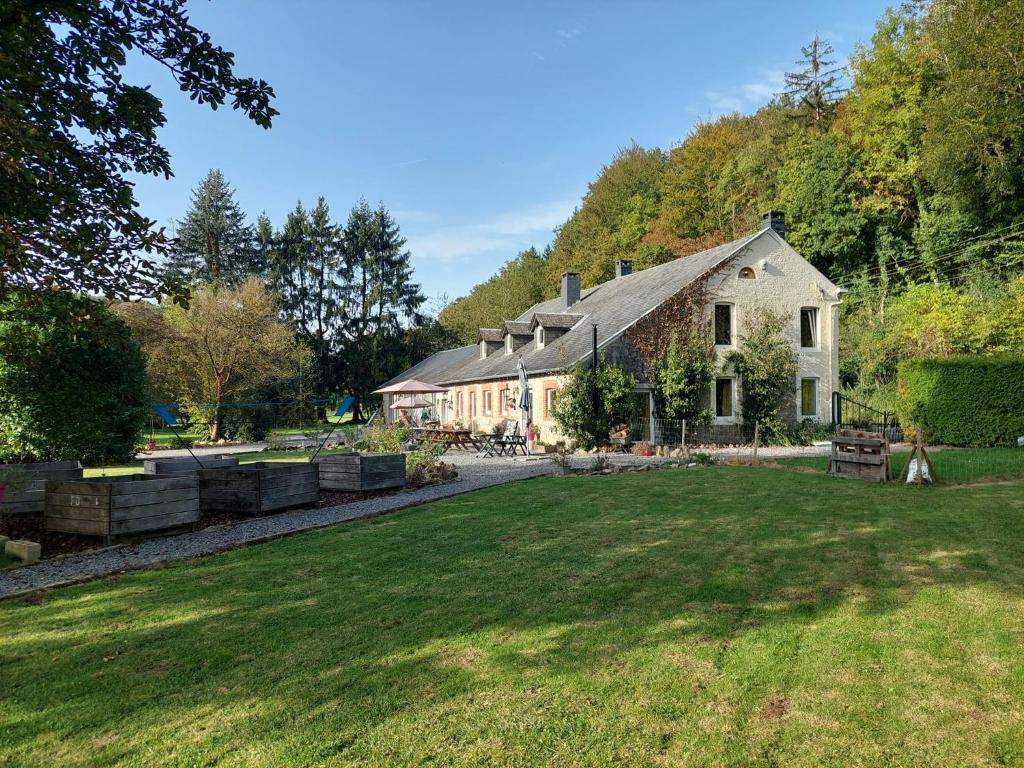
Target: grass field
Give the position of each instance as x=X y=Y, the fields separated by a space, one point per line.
x=719 y=616
x=952 y=465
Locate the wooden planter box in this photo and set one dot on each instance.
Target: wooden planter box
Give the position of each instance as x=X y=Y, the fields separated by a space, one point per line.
x=32 y=498
x=186 y=466
x=120 y=506
x=258 y=488
x=362 y=471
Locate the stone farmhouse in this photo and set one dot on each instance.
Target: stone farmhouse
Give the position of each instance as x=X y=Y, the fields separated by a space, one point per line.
x=760 y=270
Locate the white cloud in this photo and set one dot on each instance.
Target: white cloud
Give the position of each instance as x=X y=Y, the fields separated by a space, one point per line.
x=538 y=55
x=570 y=34
x=749 y=95
x=503 y=235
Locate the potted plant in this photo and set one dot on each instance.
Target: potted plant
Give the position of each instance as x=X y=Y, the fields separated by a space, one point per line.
x=533 y=433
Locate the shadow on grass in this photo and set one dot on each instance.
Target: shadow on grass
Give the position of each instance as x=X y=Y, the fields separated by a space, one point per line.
x=319 y=638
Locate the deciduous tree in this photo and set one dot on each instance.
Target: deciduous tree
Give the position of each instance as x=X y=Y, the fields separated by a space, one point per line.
x=72 y=128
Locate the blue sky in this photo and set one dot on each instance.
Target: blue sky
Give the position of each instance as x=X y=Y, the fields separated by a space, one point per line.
x=479 y=124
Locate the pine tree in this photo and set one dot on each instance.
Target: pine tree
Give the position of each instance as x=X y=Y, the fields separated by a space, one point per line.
x=816 y=87
x=214 y=244
x=380 y=302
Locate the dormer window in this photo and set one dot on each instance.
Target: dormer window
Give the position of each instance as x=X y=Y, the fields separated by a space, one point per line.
x=483 y=349
x=538 y=336
x=508 y=344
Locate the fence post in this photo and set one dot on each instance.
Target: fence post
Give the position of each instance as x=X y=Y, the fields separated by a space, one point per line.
x=837 y=409
x=757 y=438
x=684 y=434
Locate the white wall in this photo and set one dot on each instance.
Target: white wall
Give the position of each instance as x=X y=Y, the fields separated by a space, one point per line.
x=784 y=281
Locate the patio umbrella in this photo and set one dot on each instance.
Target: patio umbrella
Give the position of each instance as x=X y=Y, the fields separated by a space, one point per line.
x=412 y=402
x=409 y=387
x=524 y=394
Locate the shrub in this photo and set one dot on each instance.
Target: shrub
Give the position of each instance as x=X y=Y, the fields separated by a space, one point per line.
x=574 y=412
x=384 y=438
x=247 y=423
x=683 y=377
x=970 y=401
x=72 y=380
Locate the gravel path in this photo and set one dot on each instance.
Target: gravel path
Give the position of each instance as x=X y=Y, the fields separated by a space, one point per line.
x=473 y=475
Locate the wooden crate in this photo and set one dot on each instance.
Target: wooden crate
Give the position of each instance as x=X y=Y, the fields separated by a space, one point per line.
x=861 y=456
x=362 y=471
x=121 y=505
x=186 y=466
x=258 y=488
x=32 y=499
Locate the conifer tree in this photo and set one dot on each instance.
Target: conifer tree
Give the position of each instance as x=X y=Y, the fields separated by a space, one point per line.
x=214 y=244
x=381 y=300
x=816 y=87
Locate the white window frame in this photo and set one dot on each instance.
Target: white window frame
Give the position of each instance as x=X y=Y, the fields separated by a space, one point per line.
x=488 y=402
x=483 y=349
x=732 y=324
x=508 y=344
x=815 y=327
x=800 y=400
x=732 y=398
x=550 y=399
x=538 y=336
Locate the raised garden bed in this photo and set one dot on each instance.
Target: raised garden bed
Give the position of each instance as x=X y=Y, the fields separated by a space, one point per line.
x=362 y=471
x=259 y=488
x=122 y=505
x=186 y=466
x=31 y=500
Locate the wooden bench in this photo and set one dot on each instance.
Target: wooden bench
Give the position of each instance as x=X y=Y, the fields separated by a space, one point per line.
x=860 y=456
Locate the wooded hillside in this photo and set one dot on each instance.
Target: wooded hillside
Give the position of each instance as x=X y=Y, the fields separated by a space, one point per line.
x=901 y=175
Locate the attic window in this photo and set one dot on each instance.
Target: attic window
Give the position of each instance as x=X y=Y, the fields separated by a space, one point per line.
x=747 y=273
x=508 y=344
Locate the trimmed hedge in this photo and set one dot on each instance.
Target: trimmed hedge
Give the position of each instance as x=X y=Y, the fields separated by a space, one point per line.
x=970 y=401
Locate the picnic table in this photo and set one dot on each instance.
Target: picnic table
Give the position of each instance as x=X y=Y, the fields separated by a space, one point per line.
x=463 y=439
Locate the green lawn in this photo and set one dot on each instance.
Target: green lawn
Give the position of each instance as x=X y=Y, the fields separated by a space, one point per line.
x=952 y=465
x=243 y=458
x=719 y=616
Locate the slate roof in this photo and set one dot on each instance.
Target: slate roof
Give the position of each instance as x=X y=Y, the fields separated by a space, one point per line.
x=555 y=319
x=517 y=328
x=613 y=306
x=491 y=334
x=435 y=367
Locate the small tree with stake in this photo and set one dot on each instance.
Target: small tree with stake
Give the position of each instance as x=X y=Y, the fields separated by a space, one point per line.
x=767 y=365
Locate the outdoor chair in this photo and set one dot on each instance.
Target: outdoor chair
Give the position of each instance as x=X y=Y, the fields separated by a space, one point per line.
x=511 y=441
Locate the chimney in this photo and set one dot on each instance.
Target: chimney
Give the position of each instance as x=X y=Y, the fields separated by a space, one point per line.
x=623 y=268
x=571 y=287
x=774 y=220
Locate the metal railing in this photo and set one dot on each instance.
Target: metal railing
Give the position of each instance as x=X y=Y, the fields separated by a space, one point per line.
x=847 y=413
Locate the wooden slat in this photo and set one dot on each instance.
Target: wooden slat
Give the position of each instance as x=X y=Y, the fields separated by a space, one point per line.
x=153 y=497
x=162 y=522
x=186 y=466
x=71 y=525
x=76 y=513
x=154 y=510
